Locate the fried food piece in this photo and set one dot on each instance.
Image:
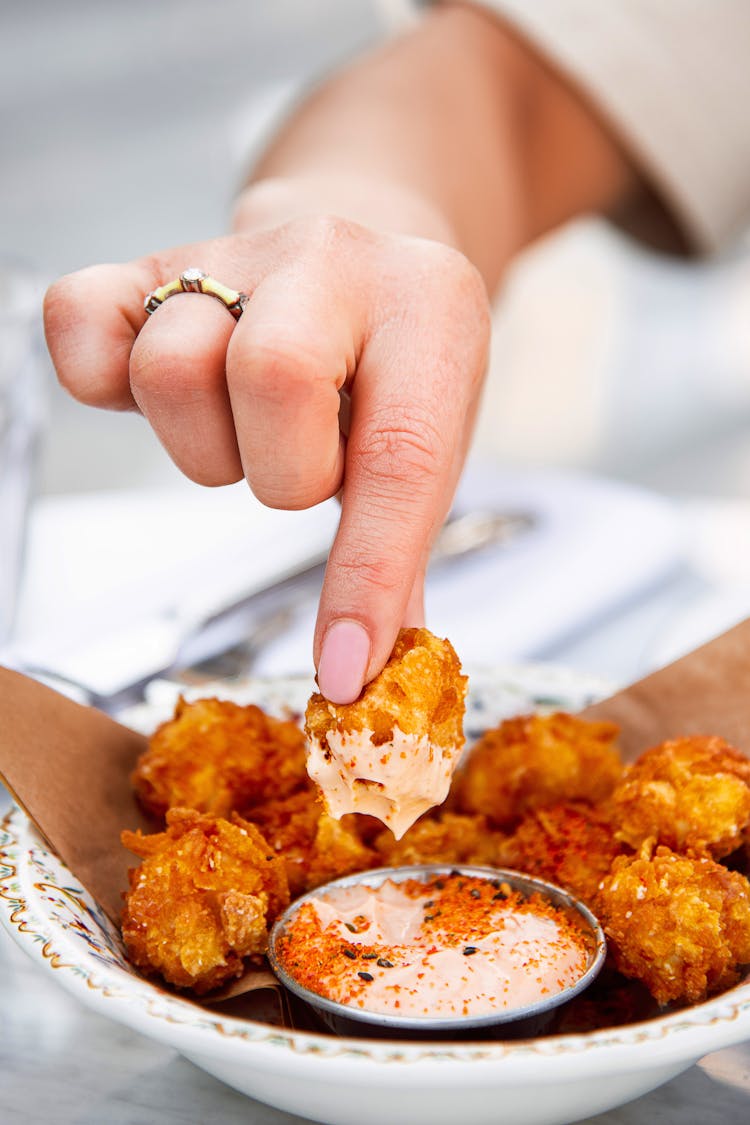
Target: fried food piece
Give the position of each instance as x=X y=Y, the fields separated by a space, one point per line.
x=314 y=847
x=679 y=924
x=215 y=756
x=446 y=838
x=572 y=845
x=290 y=825
x=536 y=760
x=690 y=794
x=336 y=850
x=392 y=752
x=202 y=899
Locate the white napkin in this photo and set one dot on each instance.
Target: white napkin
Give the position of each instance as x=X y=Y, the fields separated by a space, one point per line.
x=596 y=544
x=100 y=563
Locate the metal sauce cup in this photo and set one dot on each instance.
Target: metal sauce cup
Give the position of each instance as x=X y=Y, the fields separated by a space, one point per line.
x=505 y=1023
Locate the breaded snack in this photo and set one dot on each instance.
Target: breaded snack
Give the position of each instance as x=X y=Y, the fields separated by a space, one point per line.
x=392 y=752
x=679 y=924
x=215 y=757
x=202 y=900
x=572 y=845
x=314 y=847
x=336 y=850
x=690 y=794
x=444 y=838
x=289 y=826
x=537 y=760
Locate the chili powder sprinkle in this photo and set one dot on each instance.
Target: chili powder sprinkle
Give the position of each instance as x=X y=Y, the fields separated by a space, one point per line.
x=483 y=947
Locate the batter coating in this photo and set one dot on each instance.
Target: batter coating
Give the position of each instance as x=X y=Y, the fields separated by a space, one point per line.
x=679 y=924
x=537 y=760
x=391 y=753
x=203 y=899
x=217 y=757
x=690 y=794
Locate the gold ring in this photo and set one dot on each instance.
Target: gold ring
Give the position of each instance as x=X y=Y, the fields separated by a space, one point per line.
x=194 y=280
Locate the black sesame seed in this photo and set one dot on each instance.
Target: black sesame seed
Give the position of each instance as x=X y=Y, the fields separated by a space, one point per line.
x=350 y=926
x=385 y=964
x=428 y=904
x=350 y=954
x=469 y=949
x=366 y=976
x=428 y=917
x=501 y=895
x=455 y=872
x=439 y=884
x=369 y=956
x=475 y=892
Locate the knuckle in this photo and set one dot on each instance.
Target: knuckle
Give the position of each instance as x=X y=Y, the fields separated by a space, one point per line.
x=278 y=366
x=373 y=572
x=325 y=236
x=326 y=230
x=209 y=475
x=167 y=373
x=58 y=307
x=408 y=452
x=288 y=496
x=457 y=281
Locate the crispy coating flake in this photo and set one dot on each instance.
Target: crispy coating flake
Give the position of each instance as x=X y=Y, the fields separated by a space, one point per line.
x=537 y=760
x=443 y=838
x=420 y=690
x=572 y=845
x=202 y=899
x=391 y=753
x=337 y=850
x=679 y=924
x=690 y=794
x=314 y=847
x=215 y=756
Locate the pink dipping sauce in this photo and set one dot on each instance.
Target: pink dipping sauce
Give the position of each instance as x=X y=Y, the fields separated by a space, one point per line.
x=454 y=946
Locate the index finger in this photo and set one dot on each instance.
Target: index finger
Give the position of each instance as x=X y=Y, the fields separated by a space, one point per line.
x=412 y=410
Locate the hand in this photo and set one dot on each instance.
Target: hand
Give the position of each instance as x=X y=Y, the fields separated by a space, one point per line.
x=401 y=323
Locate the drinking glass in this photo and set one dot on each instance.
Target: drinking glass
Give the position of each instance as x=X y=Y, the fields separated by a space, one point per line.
x=23 y=363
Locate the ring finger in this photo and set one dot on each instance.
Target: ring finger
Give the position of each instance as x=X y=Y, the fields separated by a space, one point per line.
x=177 y=378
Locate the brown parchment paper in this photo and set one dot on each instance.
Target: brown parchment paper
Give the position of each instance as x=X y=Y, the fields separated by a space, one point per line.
x=69 y=768
x=705 y=692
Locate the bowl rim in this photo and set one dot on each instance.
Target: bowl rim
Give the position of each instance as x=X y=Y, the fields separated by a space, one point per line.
x=376 y=876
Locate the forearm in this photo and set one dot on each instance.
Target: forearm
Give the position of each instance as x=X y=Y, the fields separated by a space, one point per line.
x=455 y=132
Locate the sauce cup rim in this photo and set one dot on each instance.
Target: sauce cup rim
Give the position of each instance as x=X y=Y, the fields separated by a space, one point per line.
x=375 y=877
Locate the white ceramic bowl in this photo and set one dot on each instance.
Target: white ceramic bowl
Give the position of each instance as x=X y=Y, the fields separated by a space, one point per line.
x=545 y=1081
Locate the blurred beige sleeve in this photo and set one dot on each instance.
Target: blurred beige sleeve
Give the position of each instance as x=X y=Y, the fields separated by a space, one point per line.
x=672 y=79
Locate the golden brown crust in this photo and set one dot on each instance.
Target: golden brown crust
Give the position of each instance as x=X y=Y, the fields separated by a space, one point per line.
x=215 y=756
x=420 y=690
x=336 y=850
x=202 y=900
x=679 y=924
x=571 y=845
x=314 y=848
x=690 y=794
x=443 y=838
x=537 y=760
